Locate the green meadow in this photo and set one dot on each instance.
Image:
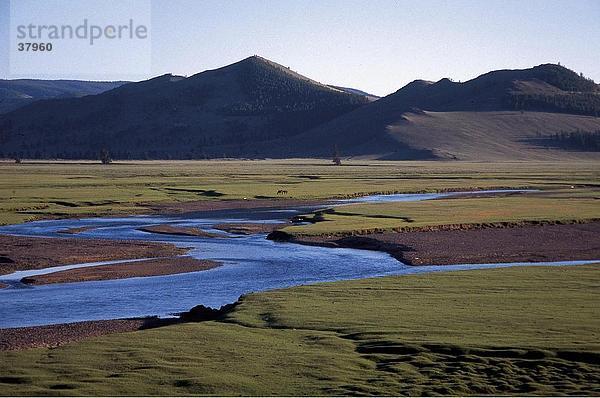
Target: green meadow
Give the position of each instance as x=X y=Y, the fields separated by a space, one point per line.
x=35 y=190
x=536 y=207
x=512 y=331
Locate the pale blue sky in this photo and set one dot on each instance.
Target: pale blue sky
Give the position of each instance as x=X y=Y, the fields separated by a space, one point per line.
x=374 y=45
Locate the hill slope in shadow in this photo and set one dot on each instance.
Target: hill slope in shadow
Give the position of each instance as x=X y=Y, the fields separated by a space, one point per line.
x=215 y=113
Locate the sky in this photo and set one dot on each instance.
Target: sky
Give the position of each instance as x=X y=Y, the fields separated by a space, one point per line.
x=373 y=45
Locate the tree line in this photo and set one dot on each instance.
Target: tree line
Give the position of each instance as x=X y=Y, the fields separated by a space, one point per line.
x=588 y=141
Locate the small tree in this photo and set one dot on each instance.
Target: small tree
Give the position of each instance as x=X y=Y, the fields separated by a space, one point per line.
x=105 y=156
x=17 y=160
x=336 y=157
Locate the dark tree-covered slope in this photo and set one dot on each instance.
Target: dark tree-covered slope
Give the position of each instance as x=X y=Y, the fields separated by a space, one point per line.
x=215 y=113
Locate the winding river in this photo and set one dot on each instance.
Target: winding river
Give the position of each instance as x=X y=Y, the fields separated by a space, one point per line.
x=251 y=263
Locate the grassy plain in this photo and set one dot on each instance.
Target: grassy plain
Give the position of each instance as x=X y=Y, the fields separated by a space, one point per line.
x=509 y=331
x=556 y=206
x=67 y=189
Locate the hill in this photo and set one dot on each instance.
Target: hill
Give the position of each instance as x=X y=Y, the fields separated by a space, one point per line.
x=257 y=108
x=506 y=114
x=215 y=113
x=17 y=93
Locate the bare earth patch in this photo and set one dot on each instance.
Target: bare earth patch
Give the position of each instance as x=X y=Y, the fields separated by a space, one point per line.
x=484 y=245
x=134 y=269
x=25 y=253
x=183 y=231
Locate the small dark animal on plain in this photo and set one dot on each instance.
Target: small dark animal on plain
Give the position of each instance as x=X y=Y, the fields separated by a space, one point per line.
x=282 y=192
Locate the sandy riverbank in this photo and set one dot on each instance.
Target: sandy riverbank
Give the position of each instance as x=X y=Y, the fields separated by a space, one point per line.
x=134 y=269
x=25 y=253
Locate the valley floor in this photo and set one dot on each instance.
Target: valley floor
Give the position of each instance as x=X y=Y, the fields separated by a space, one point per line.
x=531 y=330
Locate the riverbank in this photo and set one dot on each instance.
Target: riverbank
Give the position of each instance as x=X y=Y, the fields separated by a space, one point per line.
x=133 y=269
x=50 y=336
x=18 y=253
x=530 y=243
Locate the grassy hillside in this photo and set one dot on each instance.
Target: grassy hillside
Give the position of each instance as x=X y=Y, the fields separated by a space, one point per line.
x=506 y=114
x=506 y=331
x=38 y=190
x=494 y=135
x=458 y=135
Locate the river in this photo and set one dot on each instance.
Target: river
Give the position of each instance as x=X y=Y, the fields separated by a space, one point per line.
x=251 y=264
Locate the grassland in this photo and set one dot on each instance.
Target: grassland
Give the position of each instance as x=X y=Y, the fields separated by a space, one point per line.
x=42 y=190
x=536 y=207
x=506 y=331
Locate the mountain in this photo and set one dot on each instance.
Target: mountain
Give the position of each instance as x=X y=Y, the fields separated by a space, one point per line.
x=257 y=108
x=505 y=114
x=215 y=113
x=17 y=93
